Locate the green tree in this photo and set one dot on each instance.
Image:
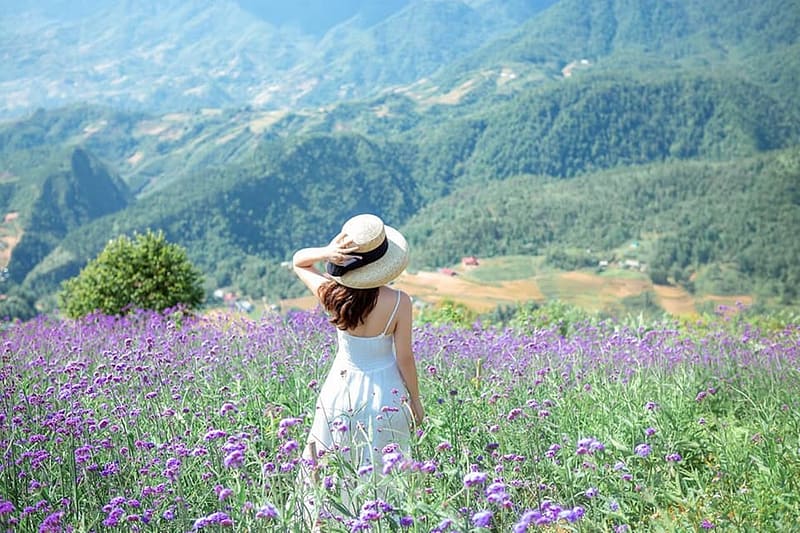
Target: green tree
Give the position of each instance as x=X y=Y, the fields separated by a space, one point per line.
x=145 y=272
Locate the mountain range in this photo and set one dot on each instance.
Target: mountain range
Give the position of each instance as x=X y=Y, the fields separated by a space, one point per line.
x=245 y=129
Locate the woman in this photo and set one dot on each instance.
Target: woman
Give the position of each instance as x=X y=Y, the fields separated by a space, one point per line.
x=371 y=393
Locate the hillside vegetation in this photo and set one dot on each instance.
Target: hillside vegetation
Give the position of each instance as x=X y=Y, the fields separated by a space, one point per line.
x=567 y=130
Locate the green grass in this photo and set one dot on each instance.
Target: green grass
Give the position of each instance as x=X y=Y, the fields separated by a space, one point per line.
x=507 y=268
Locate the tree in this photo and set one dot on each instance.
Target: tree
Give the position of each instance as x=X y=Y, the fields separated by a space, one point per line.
x=146 y=272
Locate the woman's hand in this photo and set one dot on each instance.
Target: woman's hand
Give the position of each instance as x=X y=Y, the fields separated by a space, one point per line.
x=339 y=250
x=417 y=410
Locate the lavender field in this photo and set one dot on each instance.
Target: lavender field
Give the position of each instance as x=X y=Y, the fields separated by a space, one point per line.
x=148 y=424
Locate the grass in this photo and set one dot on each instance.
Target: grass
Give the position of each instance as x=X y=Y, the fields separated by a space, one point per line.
x=144 y=424
x=508 y=268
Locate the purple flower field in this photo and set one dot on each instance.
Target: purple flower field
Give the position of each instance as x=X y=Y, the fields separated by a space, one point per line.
x=143 y=423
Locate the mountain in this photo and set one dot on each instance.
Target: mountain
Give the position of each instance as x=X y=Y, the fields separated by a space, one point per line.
x=180 y=55
x=69 y=188
x=547 y=127
x=687 y=218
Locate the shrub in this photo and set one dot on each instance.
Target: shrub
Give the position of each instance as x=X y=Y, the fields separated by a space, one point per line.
x=145 y=272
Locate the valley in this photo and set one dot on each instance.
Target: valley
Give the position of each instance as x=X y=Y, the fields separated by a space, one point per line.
x=474 y=288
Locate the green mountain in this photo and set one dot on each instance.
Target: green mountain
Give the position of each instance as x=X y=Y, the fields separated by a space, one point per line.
x=686 y=217
x=546 y=128
x=66 y=189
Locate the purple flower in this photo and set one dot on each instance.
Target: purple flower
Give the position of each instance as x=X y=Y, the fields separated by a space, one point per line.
x=700 y=396
x=589 y=446
x=442 y=446
x=289 y=422
x=572 y=515
x=390 y=460
x=482 y=518
x=444 y=525
x=406 y=521
x=513 y=414
x=218 y=518
x=289 y=446
x=642 y=450
x=651 y=406
x=649 y=432
x=474 y=478
x=267 y=511
x=591 y=492
x=6 y=507
x=215 y=434
x=707 y=524
x=234 y=459
x=673 y=458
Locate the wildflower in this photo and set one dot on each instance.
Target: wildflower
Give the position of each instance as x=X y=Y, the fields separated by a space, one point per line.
x=482 y=518
x=226 y=408
x=700 y=396
x=289 y=446
x=390 y=460
x=224 y=493
x=215 y=434
x=364 y=470
x=642 y=450
x=591 y=492
x=514 y=413
x=707 y=524
x=406 y=521
x=52 y=522
x=219 y=518
x=649 y=432
x=289 y=422
x=572 y=515
x=651 y=406
x=589 y=445
x=442 y=446
x=428 y=467
x=267 y=511
x=6 y=507
x=474 y=478
x=444 y=525
x=673 y=458
x=233 y=459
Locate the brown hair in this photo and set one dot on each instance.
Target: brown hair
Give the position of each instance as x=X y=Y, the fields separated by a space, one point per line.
x=348 y=307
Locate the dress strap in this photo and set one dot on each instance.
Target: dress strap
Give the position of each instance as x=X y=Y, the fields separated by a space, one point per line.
x=394 y=312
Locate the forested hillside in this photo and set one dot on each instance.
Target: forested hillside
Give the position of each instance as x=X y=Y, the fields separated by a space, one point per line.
x=686 y=217
x=565 y=129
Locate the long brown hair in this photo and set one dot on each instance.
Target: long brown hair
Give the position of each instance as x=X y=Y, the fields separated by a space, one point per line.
x=347 y=307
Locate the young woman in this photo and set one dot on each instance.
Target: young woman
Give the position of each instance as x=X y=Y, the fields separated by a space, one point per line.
x=370 y=397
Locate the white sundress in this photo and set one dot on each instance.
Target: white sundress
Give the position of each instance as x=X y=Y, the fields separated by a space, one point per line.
x=361 y=407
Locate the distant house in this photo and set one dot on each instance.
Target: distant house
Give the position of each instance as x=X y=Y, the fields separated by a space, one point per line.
x=448 y=272
x=632 y=263
x=602 y=264
x=469 y=260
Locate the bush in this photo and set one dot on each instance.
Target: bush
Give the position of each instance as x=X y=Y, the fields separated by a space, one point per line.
x=146 y=272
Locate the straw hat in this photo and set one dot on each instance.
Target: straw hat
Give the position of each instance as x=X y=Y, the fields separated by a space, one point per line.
x=383 y=251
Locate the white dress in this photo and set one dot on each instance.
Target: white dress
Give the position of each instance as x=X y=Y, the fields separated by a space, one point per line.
x=361 y=407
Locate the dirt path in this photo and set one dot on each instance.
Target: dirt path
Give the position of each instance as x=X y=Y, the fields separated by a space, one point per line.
x=674 y=300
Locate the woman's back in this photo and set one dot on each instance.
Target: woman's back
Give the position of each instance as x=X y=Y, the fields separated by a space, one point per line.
x=381 y=320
